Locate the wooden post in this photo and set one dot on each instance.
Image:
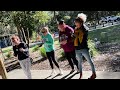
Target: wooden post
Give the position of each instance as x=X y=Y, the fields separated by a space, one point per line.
x=3 y=71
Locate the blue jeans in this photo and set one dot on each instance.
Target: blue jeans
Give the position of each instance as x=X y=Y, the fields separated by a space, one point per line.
x=85 y=53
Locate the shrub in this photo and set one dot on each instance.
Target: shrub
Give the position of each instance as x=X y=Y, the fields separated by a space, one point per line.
x=9 y=54
x=62 y=54
x=43 y=52
x=36 y=48
x=93 y=51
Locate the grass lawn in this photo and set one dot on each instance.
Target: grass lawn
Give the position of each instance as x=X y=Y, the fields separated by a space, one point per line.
x=113 y=34
x=7 y=49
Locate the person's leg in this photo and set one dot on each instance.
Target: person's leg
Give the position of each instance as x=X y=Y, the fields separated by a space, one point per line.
x=50 y=60
x=55 y=62
x=22 y=64
x=80 y=59
x=53 y=58
x=27 y=63
x=86 y=54
x=68 y=57
x=73 y=56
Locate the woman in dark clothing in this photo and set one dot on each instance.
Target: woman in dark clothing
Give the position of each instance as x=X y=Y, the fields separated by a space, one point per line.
x=66 y=42
x=81 y=45
x=21 y=51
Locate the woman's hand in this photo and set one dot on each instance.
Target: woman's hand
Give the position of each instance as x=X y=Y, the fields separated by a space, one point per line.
x=45 y=40
x=22 y=50
x=63 y=42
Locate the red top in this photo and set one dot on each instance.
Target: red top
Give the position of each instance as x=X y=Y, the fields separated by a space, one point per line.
x=66 y=35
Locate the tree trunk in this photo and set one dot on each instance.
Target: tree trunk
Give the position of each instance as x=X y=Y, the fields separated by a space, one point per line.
x=55 y=19
x=27 y=36
x=20 y=33
x=24 y=35
x=54 y=15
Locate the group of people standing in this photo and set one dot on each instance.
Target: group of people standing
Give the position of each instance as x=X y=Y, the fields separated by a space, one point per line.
x=72 y=40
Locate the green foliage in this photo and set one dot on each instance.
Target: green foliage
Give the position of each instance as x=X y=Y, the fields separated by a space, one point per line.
x=24 y=19
x=63 y=54
x=9 y=55
x=27 y=21
x=93 y=51
x=30 y=21
x=34 y=35
x=104 y=37
x=66 y=17
x=42 y=16
x=56 y=42
x=53 y=26
x=43 y=52
x=36 y=48
x=7 y=49
x=113 y=34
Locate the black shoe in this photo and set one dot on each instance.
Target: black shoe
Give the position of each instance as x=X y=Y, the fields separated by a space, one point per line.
x=93 y=76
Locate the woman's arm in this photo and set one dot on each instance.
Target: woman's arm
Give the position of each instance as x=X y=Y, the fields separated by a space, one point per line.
x=70 y=35
x=24 y=48
x=14 y=51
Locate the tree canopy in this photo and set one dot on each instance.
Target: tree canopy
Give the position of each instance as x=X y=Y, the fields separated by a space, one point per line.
x=28 y=22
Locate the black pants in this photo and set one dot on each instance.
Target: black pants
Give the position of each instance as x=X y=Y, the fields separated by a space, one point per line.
x=51 y=58
x=71 y=57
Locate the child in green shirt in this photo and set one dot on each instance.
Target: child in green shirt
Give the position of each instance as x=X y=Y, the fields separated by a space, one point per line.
x=48 y=41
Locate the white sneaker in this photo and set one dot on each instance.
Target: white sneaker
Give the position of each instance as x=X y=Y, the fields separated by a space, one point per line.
x=52 y=73
x=60 y=72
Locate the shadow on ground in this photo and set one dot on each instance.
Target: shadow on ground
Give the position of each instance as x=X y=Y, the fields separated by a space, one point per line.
x=13 y=66
x=72 y=75
x=39 y=61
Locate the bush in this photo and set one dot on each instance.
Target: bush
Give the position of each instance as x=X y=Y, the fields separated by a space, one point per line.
x=66 y=17
x=34 y=36
x=43 y=52
x=36 y=48
x=7 y=49
x=9 y=54
x=93 y=51
x=62 y=54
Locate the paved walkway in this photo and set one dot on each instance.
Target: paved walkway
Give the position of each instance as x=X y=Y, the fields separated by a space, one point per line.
x=43 y=74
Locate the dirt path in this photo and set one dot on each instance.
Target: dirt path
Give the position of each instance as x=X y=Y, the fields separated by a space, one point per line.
x=108 y=60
